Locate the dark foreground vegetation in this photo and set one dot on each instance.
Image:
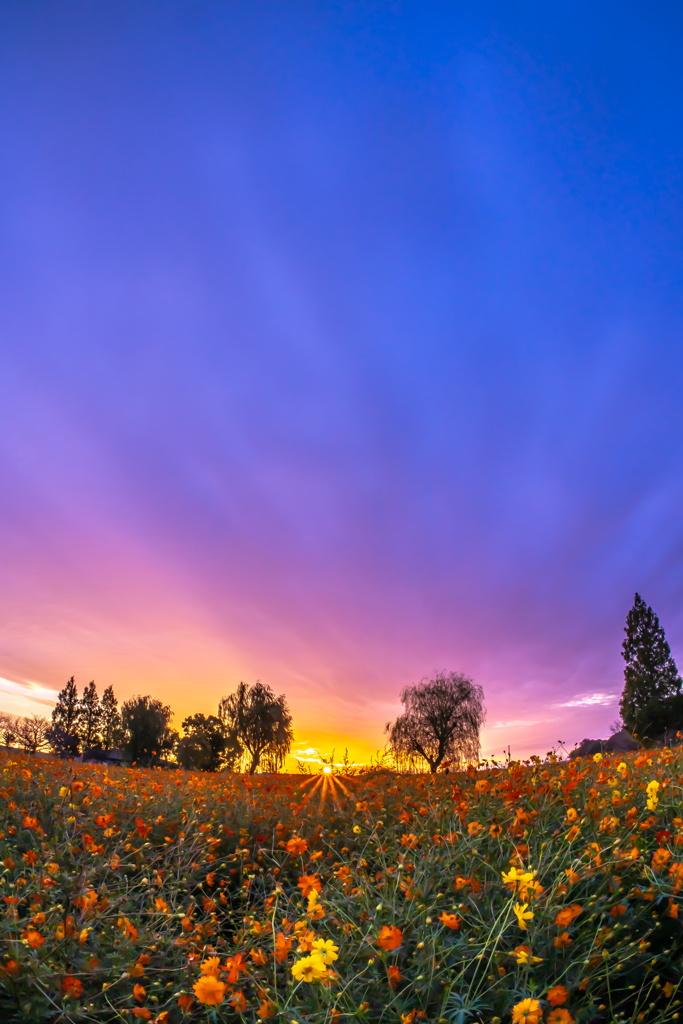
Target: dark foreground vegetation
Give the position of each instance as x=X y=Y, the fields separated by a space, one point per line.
x=538 y=891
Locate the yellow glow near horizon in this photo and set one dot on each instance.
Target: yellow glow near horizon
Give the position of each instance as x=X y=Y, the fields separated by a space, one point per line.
x=327 y=770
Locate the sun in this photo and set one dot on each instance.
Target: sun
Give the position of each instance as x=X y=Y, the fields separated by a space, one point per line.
x=327 y=784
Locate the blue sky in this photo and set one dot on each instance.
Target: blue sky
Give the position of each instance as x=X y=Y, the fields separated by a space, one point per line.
x=340 y=343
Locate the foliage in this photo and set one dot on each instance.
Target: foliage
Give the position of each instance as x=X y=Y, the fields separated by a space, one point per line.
x=112 y=733
x=65 y=716
x=257 y=720
x=145 y=724
x=32 y=733
x=207 y=744
x=509 y=893
x=8 y=733
x=89 y=717
x=651 y=698
x=442 y=720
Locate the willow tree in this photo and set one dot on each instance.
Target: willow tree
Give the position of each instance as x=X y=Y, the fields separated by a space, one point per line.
x=259 y=722
x=441 y=720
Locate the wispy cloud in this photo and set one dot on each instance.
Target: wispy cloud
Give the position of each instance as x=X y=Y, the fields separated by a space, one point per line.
x=23 y=698
x=516 y=721
x=585 y=700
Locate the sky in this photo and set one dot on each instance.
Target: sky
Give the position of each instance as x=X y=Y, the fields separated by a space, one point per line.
x=340 y=344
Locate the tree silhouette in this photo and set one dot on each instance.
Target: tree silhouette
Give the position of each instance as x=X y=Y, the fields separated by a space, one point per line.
x=64 y=732
x=89 y=716
x=651 y=700
x=145 y=723
x=442 y=719
x=206 y=744
x=111 y=720
x=32 y=733
x=259 y=721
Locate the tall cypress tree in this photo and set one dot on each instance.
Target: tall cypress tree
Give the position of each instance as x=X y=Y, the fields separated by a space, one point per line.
x=651 y=679
x=66 y=710
x=90 y=716
x=63 y=733
x=111 y=720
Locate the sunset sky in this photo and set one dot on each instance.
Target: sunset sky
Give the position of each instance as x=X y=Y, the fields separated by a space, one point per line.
x=340 y=343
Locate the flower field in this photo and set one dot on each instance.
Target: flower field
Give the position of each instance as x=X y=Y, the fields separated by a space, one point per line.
x=535 y=892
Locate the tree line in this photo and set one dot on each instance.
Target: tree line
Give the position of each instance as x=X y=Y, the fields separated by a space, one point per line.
x=252 y=730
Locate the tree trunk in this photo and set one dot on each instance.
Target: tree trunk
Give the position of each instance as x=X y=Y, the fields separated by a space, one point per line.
x=255 y=758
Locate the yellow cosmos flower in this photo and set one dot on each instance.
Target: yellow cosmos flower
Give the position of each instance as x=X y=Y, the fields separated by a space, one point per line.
x=309 y=968
x=327 y=950
x=523 y=914
x=523 y=954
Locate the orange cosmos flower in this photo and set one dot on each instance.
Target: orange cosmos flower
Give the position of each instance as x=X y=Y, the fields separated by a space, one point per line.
x=560 y=1017
x=297 y=845
x=394 y=976
x=235 y=965
x=660 y=859
x=265 y=1010
x=409 y=840
x=139 y=993
x=87 y=901
x=185 y=1003
x=560 y=941
x=566 y=916
x=557 y=995
x=142 y=1013
x=34 y=938
x=209 y=990
x=72 y=986
x=238 y=1001
x=309 y=884
x=211 y=967
x=450 y=920
x=128 y=929
x=527 y=1012
x=282 y=947
x=390 y=937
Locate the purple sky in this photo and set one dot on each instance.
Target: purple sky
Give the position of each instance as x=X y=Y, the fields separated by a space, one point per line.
x=340 y=343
